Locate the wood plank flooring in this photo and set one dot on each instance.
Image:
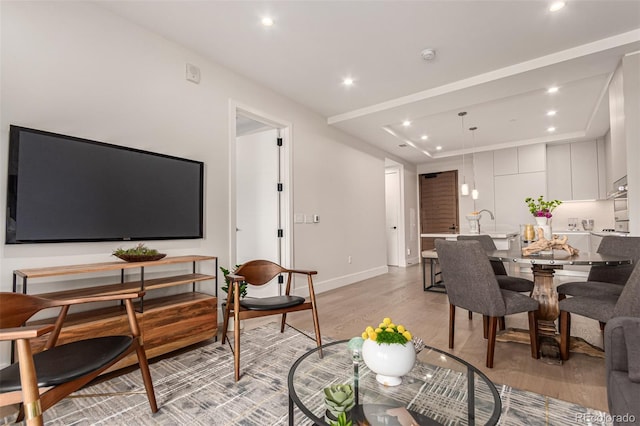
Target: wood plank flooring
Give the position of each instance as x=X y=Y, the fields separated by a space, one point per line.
x=345 y=312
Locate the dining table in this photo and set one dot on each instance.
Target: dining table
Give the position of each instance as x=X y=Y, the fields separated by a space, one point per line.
x=543 y=266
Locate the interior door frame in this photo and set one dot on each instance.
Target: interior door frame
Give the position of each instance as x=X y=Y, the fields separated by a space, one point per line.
x=286 y=242
x=392 y=165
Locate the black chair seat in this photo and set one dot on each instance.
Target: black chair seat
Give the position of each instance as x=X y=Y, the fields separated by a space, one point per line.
x=64 y=363
x=268 y=303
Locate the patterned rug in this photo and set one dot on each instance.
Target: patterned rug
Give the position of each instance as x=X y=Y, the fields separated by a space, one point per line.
x=197 y=387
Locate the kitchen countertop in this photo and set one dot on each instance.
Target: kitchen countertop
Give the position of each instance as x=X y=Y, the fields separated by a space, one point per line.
x=492 y=234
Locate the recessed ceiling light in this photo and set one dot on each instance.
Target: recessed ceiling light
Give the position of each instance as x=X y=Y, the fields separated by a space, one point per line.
x=424 y=137
x=551 y=113
x=553 y=89
x=267 y=21
x=551 y=129
x=438 y=148
x=348 y=81
x=406 y=123
x=556 y=5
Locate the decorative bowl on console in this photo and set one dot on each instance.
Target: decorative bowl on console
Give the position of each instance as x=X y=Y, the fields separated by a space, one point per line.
x=139 y=253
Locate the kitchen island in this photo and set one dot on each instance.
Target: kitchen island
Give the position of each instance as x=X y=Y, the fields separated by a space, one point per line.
x=502 y=237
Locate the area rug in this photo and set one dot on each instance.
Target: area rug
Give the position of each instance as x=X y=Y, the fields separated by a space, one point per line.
x=197 y=387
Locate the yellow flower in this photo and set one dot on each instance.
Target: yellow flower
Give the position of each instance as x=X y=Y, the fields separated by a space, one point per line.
x=368 y=329
x=365 y=335
x=390 y=330
x=407 y=335
x=387 y=321
x=373 y=336
x=378 y=330
x=392 y=325
x=401 y=329
x=382 y=325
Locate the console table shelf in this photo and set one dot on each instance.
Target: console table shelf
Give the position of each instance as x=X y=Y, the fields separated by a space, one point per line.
x=167 y=323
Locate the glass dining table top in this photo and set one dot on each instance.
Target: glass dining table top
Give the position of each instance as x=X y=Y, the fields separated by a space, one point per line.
x=559 y=257
x=441 y=389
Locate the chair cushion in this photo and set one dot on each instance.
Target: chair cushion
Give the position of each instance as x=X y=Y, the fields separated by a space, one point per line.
x=590 y=288
x=623 y=395
x=64 y=363
x=515 y=302
x=267 y=303
x=514 y=283
x=598 y=308
x=631 y=333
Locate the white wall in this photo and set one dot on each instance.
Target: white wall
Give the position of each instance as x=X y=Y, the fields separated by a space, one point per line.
x=75 y=69
x=631 y=84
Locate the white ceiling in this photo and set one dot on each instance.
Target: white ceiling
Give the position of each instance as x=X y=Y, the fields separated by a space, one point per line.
x=494 y=60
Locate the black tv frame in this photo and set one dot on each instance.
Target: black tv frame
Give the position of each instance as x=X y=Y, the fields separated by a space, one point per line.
x=12 y=192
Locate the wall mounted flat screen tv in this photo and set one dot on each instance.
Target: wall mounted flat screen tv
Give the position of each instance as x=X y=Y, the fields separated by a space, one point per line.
x=64 y=189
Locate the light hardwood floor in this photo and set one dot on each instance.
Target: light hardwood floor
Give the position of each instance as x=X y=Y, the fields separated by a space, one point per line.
x=345 y=312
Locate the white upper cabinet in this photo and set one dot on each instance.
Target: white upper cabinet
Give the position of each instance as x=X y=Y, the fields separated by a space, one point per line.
x=573 y=172
x=524 y=159
x=505 y=162
x=559 y=172
x=531 y=158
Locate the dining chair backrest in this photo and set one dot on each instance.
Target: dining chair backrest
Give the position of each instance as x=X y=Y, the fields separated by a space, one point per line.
x=488 y=245
x=616 y=246
x=259 y=272
x=628 y=304
x=468 y=277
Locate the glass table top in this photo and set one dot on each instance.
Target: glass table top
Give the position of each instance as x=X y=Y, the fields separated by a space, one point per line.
x=440 y=389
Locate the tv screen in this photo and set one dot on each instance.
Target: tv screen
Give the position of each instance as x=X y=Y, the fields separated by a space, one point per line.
x=63 y=189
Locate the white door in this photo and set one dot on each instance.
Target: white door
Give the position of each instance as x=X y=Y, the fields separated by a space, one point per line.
x=392 y=200
x=257 y=202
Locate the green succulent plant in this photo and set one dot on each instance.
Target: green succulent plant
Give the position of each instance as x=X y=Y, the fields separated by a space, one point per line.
x=339 y=399
x=139 y=250
x=342 y=421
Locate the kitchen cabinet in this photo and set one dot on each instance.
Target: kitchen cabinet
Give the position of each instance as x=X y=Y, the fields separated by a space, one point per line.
x=510 y=193
x=525 y=159
x=573 y=171
x=505 y=162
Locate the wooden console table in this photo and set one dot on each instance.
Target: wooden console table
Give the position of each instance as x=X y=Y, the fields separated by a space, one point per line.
x=167 y=323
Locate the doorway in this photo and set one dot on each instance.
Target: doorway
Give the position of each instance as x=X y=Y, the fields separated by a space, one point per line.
x=394 y=208
x=438 y=205
x=260 y=195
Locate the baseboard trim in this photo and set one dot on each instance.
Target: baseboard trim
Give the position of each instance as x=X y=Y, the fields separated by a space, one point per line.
x=322 y=286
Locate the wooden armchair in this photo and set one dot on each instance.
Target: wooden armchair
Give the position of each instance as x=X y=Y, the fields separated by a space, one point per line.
x=257 y=273
x=38 y=381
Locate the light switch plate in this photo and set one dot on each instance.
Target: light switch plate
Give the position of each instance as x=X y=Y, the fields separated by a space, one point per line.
x=193 y=73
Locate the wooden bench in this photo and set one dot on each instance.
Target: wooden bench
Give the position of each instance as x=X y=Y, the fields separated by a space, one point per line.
x=436 y=280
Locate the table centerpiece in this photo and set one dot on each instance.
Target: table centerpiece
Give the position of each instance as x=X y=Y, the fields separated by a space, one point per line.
x=388 y=351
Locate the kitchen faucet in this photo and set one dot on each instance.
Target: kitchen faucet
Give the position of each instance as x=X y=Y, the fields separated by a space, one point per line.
x=480 y=217
x=488 y=211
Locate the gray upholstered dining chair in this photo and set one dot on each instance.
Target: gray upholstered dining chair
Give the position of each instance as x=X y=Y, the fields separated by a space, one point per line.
x=505 y=281
x=605 y=279
x=471 y=284
x=600 y=307
x=622 y=338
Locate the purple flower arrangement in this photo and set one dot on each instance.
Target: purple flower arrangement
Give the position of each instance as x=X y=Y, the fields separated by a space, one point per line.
x=540 y=207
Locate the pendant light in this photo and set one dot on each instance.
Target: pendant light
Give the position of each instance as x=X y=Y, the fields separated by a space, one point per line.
x=474 y=192
x=464 y=188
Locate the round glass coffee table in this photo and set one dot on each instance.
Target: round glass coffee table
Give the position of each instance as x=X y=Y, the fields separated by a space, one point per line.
x=441 y=389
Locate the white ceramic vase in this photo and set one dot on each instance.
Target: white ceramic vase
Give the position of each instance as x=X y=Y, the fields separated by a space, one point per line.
x=389 y=361
x=540 y=220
